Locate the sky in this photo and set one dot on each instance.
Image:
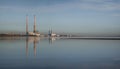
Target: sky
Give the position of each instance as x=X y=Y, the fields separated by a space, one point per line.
x=92 y=17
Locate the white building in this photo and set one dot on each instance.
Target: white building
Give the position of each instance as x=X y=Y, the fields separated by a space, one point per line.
x=33 y=34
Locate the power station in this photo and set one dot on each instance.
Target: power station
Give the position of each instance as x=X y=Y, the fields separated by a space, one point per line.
x=34 y=33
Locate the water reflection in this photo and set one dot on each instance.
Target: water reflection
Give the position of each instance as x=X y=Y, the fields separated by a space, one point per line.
x=62 y=54
x=35 y=40
x=51 y=40
x=26 y=47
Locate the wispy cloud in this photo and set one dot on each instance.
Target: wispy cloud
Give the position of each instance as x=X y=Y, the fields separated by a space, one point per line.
x=95 y=5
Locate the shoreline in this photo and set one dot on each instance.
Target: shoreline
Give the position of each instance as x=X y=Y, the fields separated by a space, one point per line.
x=96 y=38
x=88 y=38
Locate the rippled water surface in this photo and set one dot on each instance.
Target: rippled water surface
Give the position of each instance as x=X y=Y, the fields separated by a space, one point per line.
x=44 y=53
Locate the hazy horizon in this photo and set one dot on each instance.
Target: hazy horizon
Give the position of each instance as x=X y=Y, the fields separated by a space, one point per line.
x=87 y=17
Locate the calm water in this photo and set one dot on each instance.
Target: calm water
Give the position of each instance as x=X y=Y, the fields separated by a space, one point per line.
x=29 y=53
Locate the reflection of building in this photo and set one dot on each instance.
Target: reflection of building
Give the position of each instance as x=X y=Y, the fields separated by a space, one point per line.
x=51 y=39
x=34 y=47
x=26 y=47
x=32 y=39
x=34 y=33
x=35 y=40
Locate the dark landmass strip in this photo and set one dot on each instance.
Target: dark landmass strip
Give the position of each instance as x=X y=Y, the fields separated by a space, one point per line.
x=14 y=35
x=62 y=37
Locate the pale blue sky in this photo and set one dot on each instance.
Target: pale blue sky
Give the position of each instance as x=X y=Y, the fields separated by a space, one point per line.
x=70 y=16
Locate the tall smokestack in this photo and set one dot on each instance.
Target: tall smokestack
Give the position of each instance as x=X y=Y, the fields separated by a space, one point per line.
x=34 y=24
x=26 y=24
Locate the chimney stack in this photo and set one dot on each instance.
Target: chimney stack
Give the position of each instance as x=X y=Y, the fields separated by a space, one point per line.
x=26 y=24
x=34 y=24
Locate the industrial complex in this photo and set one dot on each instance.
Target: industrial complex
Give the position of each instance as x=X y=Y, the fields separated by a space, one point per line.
x=50 y=34
x=34 y=33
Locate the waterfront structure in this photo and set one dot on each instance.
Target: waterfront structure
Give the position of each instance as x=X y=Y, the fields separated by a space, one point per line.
x=34 y=33
x=51 y=34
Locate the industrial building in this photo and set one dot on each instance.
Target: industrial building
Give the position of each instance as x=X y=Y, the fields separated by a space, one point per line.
x=51 y=34
x=34 y=33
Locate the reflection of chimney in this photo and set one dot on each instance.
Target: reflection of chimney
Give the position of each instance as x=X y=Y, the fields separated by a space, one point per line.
x=26 y=46
x=26 y=24
x=34 y=47
x=34 y=24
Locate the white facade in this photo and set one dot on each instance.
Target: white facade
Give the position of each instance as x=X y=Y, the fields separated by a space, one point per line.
x=53 y=35
x=33 y=34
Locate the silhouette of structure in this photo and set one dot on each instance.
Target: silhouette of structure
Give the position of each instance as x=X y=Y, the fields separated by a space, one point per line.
x=26 y=24
x=51 y=34
x=34 y=31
